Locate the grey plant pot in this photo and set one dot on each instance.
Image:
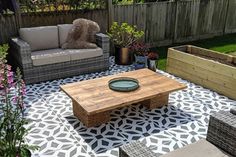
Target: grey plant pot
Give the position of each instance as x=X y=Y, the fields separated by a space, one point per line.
x=152 y=64
x=141 y=59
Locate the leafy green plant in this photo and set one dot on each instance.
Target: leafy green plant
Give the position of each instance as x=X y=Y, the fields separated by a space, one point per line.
x=12 y=111
x=124 y=35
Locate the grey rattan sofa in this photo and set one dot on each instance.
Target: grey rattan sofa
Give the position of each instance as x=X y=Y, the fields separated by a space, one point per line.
x=220 y=141
x=38 y=54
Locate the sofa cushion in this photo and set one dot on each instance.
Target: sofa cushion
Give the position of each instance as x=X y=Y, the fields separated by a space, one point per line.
x=233 y=110
x=40 y=38
x=199 y=149
x=51 y=56
x=63 y=32
x=84 y=53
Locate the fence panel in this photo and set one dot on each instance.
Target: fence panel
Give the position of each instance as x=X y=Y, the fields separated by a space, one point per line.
x=160 y=24
x=230 y=26
x=49 y=18
x=186 y=20
x=139 y=16
x=205 y=18
x=52 y=12
x=165 y=23
x=8 y=27
x=219 y=16
x=123 y=13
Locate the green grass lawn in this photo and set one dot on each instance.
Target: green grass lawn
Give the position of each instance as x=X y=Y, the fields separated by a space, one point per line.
x=225 y=44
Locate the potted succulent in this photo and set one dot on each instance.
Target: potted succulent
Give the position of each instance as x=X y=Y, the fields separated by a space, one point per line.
x=12 y=111
x=152 y=61
x=123 y=36
x=140 y=50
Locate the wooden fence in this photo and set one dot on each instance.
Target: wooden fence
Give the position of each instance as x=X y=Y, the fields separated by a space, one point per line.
x=9 y=24
x=165 y=23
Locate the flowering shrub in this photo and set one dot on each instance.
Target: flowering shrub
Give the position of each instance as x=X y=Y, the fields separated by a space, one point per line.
x=12 y=111
x=140 y=48
x=153 y=56
x=124 y=35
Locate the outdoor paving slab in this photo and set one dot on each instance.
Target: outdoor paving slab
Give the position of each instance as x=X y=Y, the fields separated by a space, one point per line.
x=52 y=137
x=162 y=142
x=59 y=133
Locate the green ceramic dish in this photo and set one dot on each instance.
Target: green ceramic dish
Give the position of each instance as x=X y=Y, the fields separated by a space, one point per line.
x=123 y=84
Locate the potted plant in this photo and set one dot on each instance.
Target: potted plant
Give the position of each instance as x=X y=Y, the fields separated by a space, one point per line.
x=123 y=36
x=12 y=111
x=140 y=50
x=152 y=61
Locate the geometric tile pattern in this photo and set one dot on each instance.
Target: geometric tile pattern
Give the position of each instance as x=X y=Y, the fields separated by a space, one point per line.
x=58 y=133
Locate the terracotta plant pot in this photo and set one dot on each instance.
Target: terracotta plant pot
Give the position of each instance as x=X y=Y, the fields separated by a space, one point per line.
x=123 y=56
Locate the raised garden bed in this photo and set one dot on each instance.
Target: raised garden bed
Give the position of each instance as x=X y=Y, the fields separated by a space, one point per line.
x=205 y=67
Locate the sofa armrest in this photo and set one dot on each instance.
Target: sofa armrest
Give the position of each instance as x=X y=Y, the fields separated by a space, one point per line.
x=135 y=149
x=21 y=51
x=222 y=131
x=103 y=42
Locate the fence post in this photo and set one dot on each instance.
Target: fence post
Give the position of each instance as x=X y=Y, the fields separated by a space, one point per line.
x=176 y=20
x=110 y=13
x=18 y=15
x=226 y=17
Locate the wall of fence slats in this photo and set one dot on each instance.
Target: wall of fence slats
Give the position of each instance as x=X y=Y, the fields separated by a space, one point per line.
x=165 y=23
x=9 y=23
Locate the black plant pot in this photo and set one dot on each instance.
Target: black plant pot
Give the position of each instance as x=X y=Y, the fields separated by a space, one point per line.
x=123 y=56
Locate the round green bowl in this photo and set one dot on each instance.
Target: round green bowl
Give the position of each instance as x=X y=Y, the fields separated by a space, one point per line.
x=123 y=84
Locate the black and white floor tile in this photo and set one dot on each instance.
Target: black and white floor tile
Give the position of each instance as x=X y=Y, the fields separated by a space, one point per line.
x=58 y=133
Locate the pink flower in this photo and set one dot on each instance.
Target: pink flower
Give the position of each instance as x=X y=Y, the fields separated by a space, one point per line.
x=15 y=99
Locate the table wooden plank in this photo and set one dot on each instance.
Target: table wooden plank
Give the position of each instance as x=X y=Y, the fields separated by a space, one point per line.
x=94 y=96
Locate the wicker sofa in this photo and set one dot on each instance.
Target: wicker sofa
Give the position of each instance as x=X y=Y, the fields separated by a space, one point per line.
x=220 y=141
x=37 y=51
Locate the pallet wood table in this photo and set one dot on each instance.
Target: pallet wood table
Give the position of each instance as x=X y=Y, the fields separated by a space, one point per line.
x=93 y=101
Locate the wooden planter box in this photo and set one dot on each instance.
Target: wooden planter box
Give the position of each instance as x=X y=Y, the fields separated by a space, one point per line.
x=207 y=68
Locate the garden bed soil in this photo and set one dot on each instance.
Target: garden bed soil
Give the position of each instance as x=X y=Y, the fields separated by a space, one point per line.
x=209 y=54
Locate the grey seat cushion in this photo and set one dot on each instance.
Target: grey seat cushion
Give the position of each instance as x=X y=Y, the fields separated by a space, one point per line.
x=233 y=110
x=40 y=38
x=77 y=54
x=50 y=56
x=201 y=148
x=63 y=31
x=53 y=56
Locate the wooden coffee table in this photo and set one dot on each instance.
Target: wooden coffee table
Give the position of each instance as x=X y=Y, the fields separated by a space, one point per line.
x=93 y=101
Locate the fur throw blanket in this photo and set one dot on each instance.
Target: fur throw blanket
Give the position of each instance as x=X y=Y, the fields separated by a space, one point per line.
x=82 y=35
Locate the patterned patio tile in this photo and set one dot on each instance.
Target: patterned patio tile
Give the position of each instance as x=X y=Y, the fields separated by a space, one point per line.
x=96 y=139
x=137 y=122
x=162 y=142
x=110 y=153
x=189 y=133
x=51 y=136
x=59 y=133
